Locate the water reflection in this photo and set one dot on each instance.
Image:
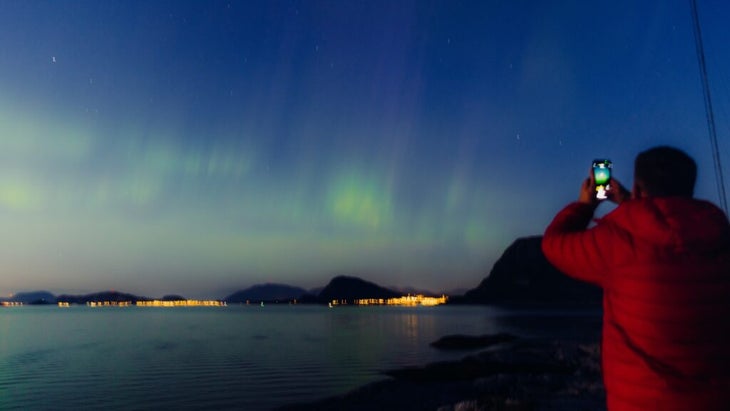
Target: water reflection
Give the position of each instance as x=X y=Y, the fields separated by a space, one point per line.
x=410 y=325
x=202 y=356
x=549 y=323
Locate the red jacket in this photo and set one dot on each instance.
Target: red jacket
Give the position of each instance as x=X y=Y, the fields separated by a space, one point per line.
x=664 y=266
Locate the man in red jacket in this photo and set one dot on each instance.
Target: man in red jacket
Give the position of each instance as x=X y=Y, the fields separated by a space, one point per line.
x=663 y=261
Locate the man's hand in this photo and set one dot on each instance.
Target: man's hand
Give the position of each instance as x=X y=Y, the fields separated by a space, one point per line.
x=617 y=193
x=588 y=193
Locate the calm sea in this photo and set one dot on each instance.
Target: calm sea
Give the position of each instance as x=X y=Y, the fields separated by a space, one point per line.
x=235 y=357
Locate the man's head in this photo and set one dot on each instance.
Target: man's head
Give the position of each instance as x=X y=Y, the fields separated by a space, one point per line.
x=663 y=172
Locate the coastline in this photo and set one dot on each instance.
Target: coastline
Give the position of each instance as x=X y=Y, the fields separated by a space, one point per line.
x=535 y=374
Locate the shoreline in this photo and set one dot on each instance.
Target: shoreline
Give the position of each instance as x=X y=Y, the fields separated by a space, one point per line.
x=521 y=374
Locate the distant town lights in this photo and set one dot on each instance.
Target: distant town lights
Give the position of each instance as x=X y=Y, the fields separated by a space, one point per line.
x=152 y=303
x=407 y=300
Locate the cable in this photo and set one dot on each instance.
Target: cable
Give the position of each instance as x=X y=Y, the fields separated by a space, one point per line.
x=708 y=107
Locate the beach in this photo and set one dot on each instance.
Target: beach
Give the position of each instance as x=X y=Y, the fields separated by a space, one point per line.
x=539 y=374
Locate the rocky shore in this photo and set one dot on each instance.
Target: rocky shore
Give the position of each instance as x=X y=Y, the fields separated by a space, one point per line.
x=510 y=374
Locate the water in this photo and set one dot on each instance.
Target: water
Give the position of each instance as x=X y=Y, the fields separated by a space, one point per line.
x=236 y=357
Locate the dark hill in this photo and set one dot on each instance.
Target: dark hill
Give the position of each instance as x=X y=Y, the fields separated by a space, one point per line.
x=523 y=276
x=266 y=293
x=351 y=288
x=114 y=296
x=33 y=297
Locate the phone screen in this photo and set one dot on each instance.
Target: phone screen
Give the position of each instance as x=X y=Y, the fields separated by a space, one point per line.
x=602 y=177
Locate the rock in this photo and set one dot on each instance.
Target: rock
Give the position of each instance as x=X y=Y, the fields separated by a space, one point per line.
x=534 y=375
x=522 y=275
x=465 y=342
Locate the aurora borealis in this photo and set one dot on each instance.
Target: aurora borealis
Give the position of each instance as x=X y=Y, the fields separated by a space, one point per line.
x=201 y=147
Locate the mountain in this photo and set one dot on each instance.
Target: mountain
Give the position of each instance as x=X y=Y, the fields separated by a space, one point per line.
x=315 y=291
x=33 y=297
x=351 y=288
x=114 y=296
x=523 y=276
x=266 y=293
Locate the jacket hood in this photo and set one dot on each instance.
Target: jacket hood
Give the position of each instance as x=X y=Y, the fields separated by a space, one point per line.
x=678 y=222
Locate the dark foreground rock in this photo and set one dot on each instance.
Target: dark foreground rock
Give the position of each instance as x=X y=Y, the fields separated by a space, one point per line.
x=534 y=375
x=469 y=342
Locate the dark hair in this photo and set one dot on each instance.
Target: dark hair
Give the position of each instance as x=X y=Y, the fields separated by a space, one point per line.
x=665 y=171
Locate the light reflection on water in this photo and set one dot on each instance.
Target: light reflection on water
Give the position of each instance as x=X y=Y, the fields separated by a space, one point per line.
x=238 y=357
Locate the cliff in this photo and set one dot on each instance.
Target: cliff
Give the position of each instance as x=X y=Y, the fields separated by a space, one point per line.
x=522 y=275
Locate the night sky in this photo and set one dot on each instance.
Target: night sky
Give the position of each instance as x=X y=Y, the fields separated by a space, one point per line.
x=199 y=147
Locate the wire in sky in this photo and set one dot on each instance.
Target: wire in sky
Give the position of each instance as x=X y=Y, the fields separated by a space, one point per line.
x=708 y=107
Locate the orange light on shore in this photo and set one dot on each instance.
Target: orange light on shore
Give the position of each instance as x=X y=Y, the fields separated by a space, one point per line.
x=11 y=303
x=151 y=303
x=406 y=300
x=181 y=303
x=109 y=303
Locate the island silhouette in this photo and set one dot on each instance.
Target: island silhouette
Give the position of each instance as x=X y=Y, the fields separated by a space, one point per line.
x=521 y=276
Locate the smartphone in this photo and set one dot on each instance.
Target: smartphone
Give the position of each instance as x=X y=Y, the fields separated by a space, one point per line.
x=602 y=177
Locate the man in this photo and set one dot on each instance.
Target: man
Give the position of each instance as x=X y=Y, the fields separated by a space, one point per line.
x=663 y=261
